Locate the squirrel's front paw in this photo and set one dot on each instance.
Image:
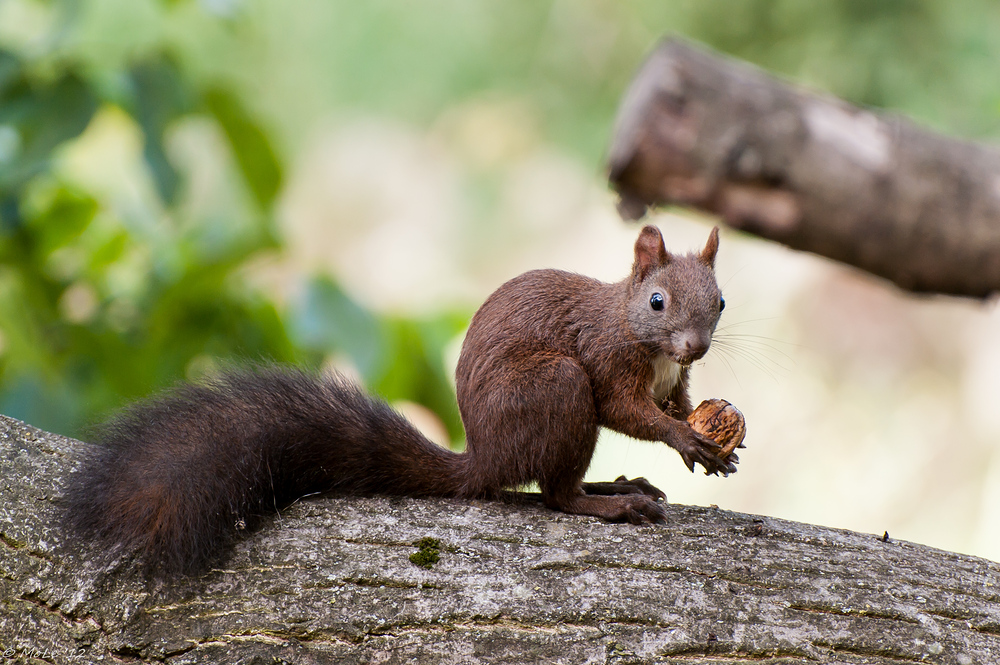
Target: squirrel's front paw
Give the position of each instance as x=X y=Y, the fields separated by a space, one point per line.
x=695 y=448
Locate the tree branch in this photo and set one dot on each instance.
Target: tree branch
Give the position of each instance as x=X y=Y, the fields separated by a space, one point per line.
x=331 y=580
x=811 y=172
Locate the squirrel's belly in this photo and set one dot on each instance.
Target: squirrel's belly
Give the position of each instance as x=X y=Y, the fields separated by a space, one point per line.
x=666 y=374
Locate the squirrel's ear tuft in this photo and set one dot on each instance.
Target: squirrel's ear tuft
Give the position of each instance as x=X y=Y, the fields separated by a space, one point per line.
x=649 y=252
x=711 y=248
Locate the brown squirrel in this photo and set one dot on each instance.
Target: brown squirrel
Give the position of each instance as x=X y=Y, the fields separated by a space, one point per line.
x=548 y=359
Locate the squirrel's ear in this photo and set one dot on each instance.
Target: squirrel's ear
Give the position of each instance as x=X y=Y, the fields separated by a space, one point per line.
x=711 y=248
x=649 y=252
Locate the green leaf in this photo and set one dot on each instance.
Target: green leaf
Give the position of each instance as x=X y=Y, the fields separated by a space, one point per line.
x=43 y=115
x=327 y=320
x=10 y=70
x=416 y=370
x=160 y=97
x=65 y=215
x=253 y=151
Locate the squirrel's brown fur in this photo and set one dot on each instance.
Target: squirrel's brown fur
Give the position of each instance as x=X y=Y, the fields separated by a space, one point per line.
x=549 y=358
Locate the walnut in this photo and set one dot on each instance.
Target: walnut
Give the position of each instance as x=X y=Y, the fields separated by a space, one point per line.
x=720 y=421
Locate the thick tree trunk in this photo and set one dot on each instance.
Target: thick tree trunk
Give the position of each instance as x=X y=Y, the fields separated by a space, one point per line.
x=331 y=580
x=809 y=171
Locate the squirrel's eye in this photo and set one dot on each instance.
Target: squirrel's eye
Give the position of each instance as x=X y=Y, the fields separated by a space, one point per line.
x=722 y=303
x=656 y=301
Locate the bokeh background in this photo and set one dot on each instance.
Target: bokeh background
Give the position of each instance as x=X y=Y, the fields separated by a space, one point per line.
x=187 y=183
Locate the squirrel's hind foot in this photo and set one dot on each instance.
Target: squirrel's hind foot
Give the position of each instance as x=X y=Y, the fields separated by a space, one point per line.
x=634 y=508
x=622 y=485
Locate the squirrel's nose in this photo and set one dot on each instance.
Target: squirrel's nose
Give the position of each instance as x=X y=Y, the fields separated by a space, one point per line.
x=691 y=345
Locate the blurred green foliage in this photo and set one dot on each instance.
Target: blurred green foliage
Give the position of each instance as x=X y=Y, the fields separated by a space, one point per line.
x=104 y=297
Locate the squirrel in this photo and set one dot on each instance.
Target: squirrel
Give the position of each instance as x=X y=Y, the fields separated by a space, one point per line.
x=548 y=359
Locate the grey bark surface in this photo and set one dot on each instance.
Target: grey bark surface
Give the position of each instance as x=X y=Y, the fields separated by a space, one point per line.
x=331 y=580
x=809 y=171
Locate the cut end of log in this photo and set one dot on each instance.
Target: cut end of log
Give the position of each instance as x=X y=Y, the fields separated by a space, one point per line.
x=722 y=422
x=631 y=208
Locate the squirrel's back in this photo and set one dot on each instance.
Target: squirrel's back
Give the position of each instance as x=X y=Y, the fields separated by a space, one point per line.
x=180 y=475
x=538 y=309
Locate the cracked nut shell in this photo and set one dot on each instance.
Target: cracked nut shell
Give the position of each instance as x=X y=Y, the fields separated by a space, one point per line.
x=720 y=421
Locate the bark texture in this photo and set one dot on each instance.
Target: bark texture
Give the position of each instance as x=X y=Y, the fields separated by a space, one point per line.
x=331 y=580
x=809 y=171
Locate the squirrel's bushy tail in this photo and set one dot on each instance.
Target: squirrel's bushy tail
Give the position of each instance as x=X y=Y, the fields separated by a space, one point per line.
x=179 y=476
